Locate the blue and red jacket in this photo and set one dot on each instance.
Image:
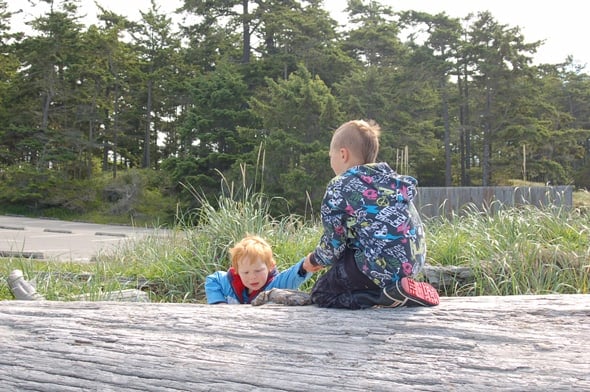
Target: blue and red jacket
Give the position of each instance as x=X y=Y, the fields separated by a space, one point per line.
x=227 y=287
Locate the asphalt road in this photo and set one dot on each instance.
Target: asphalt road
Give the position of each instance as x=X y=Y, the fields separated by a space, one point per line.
x=56 y=240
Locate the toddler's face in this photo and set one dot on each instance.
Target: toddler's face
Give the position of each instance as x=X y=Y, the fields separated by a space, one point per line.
x=253 y=273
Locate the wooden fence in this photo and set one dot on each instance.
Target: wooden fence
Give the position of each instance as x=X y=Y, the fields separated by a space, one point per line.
x=435 y=201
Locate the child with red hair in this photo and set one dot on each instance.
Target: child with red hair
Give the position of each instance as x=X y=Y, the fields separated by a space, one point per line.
x=253 y=270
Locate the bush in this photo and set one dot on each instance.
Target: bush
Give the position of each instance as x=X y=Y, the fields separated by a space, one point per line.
x=25 y=185
x=134 y=196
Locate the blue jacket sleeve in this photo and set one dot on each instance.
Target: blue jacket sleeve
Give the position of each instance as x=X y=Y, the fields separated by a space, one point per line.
x=217 y=287
x=289 y=278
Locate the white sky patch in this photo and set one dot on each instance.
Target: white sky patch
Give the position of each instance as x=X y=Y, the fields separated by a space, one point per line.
x=562 y=24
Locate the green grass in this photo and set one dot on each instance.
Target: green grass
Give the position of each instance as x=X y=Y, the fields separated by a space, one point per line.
x=514 y=251
x=173 y=267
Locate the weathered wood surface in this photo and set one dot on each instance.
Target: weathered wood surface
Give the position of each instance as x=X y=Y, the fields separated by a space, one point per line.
x=520 y=343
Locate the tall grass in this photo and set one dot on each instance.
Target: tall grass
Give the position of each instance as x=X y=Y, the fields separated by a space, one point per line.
x=523 y=250
x=172 y=264
x=511 y=251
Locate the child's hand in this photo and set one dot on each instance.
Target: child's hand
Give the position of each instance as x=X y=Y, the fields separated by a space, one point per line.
x=309 y=267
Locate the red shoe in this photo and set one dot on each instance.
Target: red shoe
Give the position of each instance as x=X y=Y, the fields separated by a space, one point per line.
x=408 y=292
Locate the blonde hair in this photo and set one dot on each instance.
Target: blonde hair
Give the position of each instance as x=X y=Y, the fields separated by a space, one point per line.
x=252 y=247
x=360 y=137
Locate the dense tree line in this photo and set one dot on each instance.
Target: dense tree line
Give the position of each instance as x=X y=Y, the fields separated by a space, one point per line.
x=250 y=91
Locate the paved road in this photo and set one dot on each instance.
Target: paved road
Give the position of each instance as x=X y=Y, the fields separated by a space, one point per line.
x=61 y=240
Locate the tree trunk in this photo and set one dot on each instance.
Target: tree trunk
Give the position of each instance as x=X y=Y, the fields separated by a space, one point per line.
x=513 y=343
x=246 y=32
x=148 y=120
x=447 y=136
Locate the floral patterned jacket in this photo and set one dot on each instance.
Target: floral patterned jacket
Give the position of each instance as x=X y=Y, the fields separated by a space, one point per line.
x=369 y=209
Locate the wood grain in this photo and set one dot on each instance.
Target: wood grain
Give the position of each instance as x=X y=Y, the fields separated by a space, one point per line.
x=517 y=343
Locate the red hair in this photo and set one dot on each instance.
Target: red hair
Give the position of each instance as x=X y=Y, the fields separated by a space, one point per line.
x=252 y=247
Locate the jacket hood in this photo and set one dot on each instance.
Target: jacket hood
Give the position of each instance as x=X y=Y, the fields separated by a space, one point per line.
x=380 y=176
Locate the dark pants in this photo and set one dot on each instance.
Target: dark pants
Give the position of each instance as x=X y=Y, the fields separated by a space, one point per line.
x=345 y=286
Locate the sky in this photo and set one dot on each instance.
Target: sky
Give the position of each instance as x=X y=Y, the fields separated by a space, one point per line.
x=563 y=25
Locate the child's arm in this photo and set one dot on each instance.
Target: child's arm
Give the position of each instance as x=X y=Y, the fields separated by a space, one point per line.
x=309 y=266
x=214 y=288
x=335 y=211
x=291 y=278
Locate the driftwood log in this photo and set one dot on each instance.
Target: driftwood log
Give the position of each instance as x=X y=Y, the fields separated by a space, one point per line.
x=517 y=343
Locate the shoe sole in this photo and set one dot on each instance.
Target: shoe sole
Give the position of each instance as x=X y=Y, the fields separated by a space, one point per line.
x=419 y=292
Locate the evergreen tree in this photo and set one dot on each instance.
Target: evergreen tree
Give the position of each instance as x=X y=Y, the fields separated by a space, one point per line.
x=10 y=151
x=373 y=38
x=210 y=141
x=499 y=56
x=435 y=59
x=47 y=73
x=298 y=117
x=157 y=48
